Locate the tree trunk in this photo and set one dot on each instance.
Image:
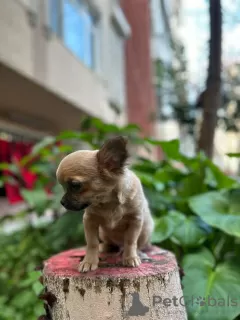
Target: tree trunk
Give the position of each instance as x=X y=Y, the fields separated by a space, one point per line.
x=113 y=292
x=212 y=95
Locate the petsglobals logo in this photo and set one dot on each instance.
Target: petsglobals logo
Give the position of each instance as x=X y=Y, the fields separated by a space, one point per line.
x=199 y=301
x=140 y=309
x=137 y=308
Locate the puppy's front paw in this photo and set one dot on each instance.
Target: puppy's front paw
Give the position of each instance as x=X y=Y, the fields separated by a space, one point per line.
x=134 y=261
x=88 y=264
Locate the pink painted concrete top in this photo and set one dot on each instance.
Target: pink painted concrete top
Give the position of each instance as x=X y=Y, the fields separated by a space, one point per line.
x=65 y=264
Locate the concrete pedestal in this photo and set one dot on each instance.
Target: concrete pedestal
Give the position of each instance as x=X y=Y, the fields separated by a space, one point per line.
x=113 y=292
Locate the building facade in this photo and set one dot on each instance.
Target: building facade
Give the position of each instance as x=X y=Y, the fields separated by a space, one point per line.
x=141 y=104
x=164 y=15
x=63 y=59
x=59 y=60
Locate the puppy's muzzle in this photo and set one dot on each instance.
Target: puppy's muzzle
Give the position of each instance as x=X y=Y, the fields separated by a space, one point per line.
x=73 y=205
x=63 y=202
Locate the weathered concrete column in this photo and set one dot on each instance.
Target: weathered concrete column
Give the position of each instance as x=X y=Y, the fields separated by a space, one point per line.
x=113 y=292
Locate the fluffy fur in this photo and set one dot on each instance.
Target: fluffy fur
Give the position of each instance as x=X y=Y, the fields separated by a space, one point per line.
x=116 y=210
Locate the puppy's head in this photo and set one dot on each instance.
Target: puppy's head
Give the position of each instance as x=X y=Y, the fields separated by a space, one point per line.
x=88 y=177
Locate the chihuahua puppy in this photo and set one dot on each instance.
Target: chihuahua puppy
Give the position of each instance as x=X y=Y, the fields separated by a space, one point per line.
x=116 y=210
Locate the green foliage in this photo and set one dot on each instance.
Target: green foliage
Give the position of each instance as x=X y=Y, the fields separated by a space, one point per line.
x=19 y=285
x=219 y=209
x=166 y=226
x=215 y=286
x=234 y=155
x=196 y=208
x=37 y=199
x=189 y=233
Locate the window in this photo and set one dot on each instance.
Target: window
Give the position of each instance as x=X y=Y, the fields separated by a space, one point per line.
x=119 y=30
x=74 y=22
x=116 y=67
x=54 y=11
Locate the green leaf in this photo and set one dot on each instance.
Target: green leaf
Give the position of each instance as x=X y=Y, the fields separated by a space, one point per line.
x=210 y=179
x=158 y=201
x=68 y=226
x=219 y=209
x=4 y=166
x=148 y=180
x=37 y=287
x=211 y=290
x=83 y=136
x=131 y=128
x=191 y=185
x=165 y=226
x=6 y=179
x=37 y=199
x=40 y=168
x=65 y=148
x=189 y=234
x=222 y=180
x=170 y=148
x=9 y=167
x=38 y=310
x=22 y=300
x=169 y=173
x=104 y=127
x=85 y=123
x=42 y=144
x=31 y=279
x=234 y=155
x=146 y=166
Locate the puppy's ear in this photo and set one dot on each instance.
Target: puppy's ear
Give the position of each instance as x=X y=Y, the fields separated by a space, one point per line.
x=113 y=155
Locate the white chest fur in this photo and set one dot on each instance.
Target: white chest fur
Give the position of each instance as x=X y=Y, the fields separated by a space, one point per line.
x=112 y=218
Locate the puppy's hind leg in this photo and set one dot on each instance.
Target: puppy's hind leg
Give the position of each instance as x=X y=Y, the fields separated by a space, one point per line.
x=106 y=245
x=144 y=240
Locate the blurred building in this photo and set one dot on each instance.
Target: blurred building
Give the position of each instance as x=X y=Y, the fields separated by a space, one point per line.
x=166 y=22
x=162 y=51
x=60 y=59
x=141 y=104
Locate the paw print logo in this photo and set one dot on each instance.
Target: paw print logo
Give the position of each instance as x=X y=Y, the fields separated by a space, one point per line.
x=201 y=301
x=137 y=308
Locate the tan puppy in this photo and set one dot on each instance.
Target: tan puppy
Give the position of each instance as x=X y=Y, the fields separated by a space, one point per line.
x=116 y=210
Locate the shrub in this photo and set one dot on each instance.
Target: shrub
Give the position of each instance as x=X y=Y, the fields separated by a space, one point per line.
x=196 y=208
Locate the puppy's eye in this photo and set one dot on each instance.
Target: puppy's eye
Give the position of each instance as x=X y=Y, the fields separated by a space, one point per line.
x=75 y=185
